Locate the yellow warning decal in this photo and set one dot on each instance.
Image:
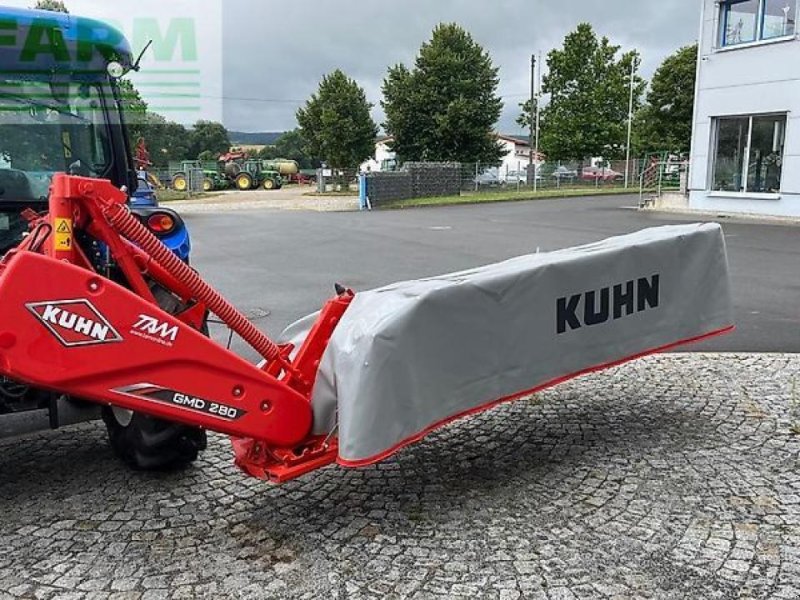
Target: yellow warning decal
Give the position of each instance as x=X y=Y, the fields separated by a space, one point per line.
x=63 y=235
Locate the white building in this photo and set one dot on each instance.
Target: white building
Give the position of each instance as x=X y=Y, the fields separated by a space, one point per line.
x=517 y=154
x=383 y=160
x=746 y=140
x=516 y=157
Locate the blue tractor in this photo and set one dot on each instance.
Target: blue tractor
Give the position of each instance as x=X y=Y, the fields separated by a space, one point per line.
x=61 y=110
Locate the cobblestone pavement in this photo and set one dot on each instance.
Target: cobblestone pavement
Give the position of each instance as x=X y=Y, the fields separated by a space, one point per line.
x=671 y=477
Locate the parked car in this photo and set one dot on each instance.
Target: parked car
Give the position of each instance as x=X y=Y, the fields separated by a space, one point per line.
x=601 y=174
x=489 y=178
x=563 y=174
x=517 y=177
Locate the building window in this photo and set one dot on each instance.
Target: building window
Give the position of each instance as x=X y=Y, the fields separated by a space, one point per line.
x=779 y=18
x=749 y=154
x=744 y=21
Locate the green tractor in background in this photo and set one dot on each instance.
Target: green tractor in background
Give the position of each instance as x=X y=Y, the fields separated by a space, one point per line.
x=251 y=173
x=212 y=180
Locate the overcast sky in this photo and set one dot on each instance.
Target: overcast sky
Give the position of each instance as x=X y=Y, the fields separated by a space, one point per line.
x=275 y=53
x=283 y=49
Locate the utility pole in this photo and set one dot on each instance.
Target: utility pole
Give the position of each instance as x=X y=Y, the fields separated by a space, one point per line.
x=630 y=125
x=531 y=165
x=538 y=96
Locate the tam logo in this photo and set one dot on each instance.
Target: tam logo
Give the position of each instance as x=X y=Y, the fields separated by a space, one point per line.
x=75 y=322
x=151 y=326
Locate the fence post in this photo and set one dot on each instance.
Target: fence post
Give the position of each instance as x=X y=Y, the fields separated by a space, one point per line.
x=477 y=174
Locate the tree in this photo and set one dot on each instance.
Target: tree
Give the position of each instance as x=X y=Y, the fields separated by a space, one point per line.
x=208 y=136
x=335 y=123
x=166 y=140
x=290 y=145
x=134 y=109
x=446 y=107
x=589 y=91
x=665 y=122
x=52 y=5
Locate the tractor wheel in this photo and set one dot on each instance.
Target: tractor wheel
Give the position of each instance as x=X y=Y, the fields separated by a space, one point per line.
x=269 y=184
x=208 y=184
x=179 y=183
x=149 y=444
x=244 y=182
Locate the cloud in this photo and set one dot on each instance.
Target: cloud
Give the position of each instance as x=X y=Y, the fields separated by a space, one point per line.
x=280 y=55
x=275 y=53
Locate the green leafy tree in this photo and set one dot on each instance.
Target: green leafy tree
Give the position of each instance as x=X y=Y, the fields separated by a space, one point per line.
x=268 y=152
x=207 y=155
x=291 y=145
x=446 y=107
x=166 y=140
x=665 y=121
x=208 y=136
x=589 y=88
x=134 y=109
x=335 y=123
x=52 y=5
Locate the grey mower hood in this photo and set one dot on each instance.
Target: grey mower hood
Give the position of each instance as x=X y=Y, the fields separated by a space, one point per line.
x=412 y=356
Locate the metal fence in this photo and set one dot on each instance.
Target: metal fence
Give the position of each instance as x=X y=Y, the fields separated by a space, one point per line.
x=552 y=175
x=337 y=180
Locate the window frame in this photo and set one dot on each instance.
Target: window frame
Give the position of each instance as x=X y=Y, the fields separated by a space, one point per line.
x=744 y=192
x=722 y=33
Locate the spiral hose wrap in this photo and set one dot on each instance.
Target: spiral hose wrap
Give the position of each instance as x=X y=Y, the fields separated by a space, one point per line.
x=130 y=227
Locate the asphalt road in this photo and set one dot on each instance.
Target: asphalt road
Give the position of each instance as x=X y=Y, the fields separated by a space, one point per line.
x=285 y=263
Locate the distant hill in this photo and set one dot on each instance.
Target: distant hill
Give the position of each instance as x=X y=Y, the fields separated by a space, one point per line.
x=266 y=138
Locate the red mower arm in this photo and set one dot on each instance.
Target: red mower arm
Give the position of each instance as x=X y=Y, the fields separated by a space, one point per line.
x=65 y=328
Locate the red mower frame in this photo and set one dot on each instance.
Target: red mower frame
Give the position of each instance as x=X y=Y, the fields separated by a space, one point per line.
x=72 y=330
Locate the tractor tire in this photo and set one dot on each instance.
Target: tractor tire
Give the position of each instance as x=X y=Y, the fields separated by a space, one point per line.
x=149 y=444
x=244 y=182
x=208 y=184
x=269 y=184
x=180 y=183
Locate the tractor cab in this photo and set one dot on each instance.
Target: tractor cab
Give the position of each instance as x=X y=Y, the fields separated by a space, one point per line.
x=60 y=109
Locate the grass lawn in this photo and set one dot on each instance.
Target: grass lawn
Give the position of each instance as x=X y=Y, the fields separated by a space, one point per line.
x=509 y=196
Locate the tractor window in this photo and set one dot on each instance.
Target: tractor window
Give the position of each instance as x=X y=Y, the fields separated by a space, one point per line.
x=48 y=127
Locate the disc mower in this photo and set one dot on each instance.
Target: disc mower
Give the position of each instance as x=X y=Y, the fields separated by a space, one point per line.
x=96 y=309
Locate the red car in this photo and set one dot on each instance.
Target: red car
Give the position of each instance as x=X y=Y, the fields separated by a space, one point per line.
x=601 y=174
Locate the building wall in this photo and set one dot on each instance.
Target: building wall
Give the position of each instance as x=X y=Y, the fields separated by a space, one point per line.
x=382 y=153
x=516 y=158
x=758 y=78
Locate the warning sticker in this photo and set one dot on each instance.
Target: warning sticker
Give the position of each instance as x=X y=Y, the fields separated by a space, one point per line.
x=63 y=234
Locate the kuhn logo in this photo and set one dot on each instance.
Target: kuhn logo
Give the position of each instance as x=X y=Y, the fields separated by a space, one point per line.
x=75 y=322
x=154 y=330
x=596 y=307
